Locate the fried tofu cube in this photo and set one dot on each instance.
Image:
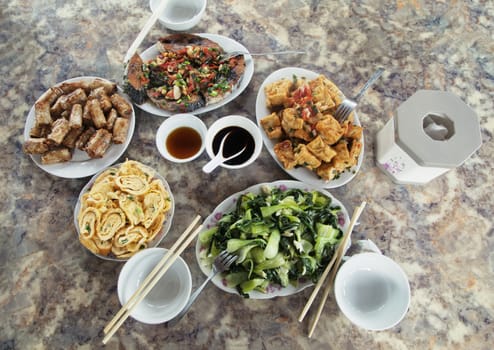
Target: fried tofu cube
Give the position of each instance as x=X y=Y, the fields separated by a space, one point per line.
x=325 y=93
x=329 y=129
x=321 y=150
x=284 y=153
x=327 y=172
x=342 y=159
x=305 y=158
x=355 y=150
x=290 y=120
x=354 y=131
x=277 y=92
x=272 y=126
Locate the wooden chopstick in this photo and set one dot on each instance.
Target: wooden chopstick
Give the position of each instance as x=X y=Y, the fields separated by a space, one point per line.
x=340 y=253
x=145 y=30
x=152 y=279
x=325 y=273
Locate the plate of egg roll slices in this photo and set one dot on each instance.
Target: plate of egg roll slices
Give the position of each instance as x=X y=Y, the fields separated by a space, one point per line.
x=79 y=127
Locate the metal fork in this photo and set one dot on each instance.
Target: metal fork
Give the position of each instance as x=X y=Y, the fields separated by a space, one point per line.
x=221 y=263
x=348 y=105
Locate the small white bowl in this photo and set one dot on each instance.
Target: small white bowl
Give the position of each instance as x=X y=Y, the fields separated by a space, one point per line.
x=180 y=15
x=372 y=291
x=176 y=122
x=167 y=298
x=235 y=121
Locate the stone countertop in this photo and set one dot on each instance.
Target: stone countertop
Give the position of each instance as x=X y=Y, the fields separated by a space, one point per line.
x=54 y=295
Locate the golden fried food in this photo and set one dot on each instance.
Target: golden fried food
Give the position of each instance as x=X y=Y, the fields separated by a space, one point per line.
x=301 y=122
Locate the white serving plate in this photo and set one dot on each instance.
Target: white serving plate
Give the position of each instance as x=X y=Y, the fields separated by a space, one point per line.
x=229 y=204
x=300 y=173
x=159 y=237
x=228 y=45
x=81 y=165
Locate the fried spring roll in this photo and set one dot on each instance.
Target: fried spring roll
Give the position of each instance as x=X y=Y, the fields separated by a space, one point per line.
x=67 y=88
x=87 y=119
x=121 y=105
x=35 y=146
x=38 y=131
x=57 y=155
x=57 y=109
x=59 y=130
x=75 y=118
x=102 y=97
x=50 y=95
x=97 y=115
x=108 y=86
x=76 y=96
x=42 y=114
x=98 y=143
x=72 y=137
x=84 y=138
x=110 y=119
x=120 y=130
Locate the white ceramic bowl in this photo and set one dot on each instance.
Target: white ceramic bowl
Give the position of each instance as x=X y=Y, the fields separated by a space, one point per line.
x=167 y=298
x=372 y=291
x=235 y=121
x=177 y=121
x=180 y=15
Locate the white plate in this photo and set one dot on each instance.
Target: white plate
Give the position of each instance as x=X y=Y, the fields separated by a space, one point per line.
x=228 y=45
x=229 y=204
x=300 y=173
x=81 y=165
x=164 y=229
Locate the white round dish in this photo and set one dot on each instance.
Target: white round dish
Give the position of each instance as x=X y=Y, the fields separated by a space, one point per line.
x=372 y=291
x=167 y=298
x=228 y=45
x=173 y=123
x=159 y=237
x=229 y=204
x=180 y=15
x=300 y=173
x=81 y=165
x=230 y=121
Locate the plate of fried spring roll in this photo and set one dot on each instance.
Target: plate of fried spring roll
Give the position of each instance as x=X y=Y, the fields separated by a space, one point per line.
x=78 y=127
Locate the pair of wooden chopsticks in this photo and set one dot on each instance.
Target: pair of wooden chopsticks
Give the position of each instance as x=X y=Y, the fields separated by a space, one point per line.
x=160 y=269
x=336 y=260
x=145 y=30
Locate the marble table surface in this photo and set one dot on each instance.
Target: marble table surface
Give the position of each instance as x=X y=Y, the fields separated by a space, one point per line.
x=55 y=295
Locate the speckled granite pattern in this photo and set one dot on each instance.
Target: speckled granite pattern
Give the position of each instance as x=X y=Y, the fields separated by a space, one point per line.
x=54 y=295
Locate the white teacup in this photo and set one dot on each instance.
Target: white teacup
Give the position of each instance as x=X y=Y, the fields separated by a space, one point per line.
x=372 y=291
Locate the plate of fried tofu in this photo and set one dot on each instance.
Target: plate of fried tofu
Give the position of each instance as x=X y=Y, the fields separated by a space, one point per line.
x=294 y=109
x=78 y=127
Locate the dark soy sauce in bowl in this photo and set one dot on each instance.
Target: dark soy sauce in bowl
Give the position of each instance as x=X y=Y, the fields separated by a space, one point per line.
x=236 y=140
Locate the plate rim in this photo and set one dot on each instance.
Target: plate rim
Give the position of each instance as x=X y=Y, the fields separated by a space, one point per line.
x=63 y=170
x=301 y=174
x=228 y=203
x=151 y=109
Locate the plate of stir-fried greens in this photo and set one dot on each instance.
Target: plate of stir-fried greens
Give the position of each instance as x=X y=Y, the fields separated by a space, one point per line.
x=284 y=234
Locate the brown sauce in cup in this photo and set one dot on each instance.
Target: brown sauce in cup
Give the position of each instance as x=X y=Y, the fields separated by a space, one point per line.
x=183 y=142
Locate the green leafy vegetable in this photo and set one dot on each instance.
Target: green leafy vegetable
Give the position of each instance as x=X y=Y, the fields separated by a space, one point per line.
x=281 y=236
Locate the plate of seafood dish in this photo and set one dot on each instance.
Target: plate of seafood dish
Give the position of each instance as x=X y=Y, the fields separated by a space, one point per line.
x=284 y=234
x=122 y=210
x=78 y=127
x=294 y=108
x=188 y=73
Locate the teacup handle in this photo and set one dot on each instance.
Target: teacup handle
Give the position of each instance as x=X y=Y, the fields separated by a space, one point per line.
x=365 y=245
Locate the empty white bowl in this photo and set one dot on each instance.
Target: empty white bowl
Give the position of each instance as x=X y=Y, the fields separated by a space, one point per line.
x=180 y=15
x=372 y=291
x=167 y=298
x=217 y=130
x=175 y=141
